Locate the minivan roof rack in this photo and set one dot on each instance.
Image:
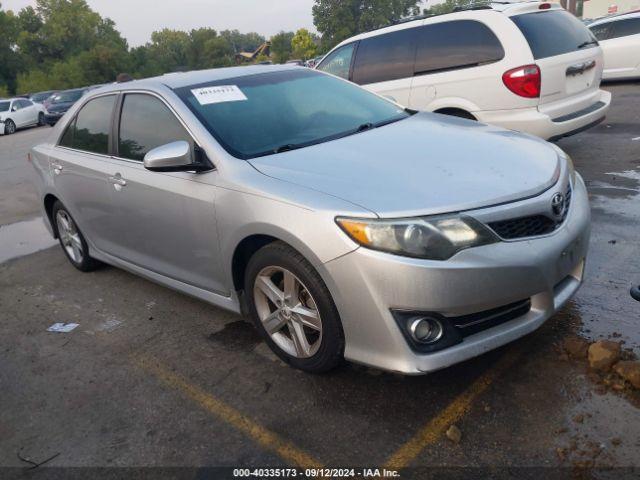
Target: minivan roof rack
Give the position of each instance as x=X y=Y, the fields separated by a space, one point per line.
x=477 y=6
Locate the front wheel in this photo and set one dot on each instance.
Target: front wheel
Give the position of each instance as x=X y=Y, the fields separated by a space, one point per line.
x=9 y=127
x=71 y=240
x=41 y=119
x=293 y=309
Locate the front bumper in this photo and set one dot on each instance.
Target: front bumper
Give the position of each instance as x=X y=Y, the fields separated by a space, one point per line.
x=1 y=127
x=367 y=285
x=52 y=118
x=555 y=120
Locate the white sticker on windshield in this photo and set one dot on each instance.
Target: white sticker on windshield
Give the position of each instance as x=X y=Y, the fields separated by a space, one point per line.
x=219 y=94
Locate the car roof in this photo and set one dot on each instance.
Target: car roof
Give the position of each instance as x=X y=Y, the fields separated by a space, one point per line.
x=184 y=79
x=615 y=16
x=490 y=8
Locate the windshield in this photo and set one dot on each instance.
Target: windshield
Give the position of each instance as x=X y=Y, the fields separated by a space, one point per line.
x=554 y=32
x=66 y=97
x=4 y=106
x=41 y=97
x=268 y=113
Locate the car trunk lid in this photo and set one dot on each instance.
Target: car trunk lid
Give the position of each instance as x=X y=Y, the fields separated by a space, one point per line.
x=566 y=52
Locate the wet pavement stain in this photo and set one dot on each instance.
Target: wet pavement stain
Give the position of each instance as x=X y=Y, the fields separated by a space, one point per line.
x=24 y=238
x=239 y=335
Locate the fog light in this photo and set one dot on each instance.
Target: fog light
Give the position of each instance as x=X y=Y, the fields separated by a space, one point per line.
x=425 y=329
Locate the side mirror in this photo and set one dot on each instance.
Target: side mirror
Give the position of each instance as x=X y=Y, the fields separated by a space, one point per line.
x=14 y=108
x=176 y=157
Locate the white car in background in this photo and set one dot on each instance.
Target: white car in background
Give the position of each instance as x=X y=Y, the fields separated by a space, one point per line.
x=18 y=113
x=619 y=37
x=527 y=66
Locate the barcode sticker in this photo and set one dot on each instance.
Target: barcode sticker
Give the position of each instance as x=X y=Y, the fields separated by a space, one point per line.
x=219 y=94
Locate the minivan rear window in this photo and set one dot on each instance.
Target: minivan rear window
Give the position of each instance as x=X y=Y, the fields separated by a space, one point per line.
x=554 y=32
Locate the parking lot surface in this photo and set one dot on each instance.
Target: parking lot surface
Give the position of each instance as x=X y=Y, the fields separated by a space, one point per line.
x=152 y=377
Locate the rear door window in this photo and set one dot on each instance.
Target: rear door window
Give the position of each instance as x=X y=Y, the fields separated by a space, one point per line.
x=385 y=57
x=601 y=31
x=452 y=45
x=147 y=123
x=90 y=130
x=338 y=63
x=624 y=28
x=554 y=32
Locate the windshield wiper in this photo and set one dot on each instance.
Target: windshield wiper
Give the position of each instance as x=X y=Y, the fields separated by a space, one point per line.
x=294 y=146
x=587 y=43
x=288 y=146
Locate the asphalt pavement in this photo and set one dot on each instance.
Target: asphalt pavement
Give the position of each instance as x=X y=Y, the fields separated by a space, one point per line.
x=154 y=378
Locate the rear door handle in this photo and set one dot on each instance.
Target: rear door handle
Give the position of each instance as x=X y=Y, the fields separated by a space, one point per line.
x=579 y=68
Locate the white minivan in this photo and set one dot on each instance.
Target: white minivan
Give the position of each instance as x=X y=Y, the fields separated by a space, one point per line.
x=619 y=37
x=526 y=66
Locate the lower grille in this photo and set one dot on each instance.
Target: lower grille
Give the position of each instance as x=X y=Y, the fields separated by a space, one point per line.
x=531 y=226
x=476 y=322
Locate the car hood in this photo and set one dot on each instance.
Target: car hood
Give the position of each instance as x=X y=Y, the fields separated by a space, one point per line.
x=426 y=164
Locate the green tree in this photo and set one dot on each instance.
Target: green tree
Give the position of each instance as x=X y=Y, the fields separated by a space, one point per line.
x=198 y=55
x=9 y=60
x=303 y=45
x=169 y=50
x=337 y=20
x=281 y=46
x=242 y=42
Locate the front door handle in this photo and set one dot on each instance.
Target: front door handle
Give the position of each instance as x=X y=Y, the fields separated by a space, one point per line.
x=117 y=181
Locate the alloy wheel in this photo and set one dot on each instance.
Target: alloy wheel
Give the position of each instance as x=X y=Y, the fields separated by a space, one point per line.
x=11 y=127
x=69 y=236
x=288 y=312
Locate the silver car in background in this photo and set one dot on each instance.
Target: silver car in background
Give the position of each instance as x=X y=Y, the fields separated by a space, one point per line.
x=344 y=225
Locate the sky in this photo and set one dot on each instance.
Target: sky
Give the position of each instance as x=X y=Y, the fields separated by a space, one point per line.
x=137 y=19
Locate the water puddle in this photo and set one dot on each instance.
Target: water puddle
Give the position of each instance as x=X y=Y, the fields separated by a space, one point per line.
x=618 y=195
x=238 y=335
x=24 y=238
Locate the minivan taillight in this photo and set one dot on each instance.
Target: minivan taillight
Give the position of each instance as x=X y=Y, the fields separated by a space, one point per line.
x=524 y=81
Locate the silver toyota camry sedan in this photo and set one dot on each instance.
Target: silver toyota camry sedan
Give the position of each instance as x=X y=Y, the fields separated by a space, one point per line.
x=343 y=225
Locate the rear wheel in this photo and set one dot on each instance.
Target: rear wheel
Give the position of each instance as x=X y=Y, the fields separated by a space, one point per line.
x=71 y=240
x=293 y=309
x=9 y=127
x=456 y=112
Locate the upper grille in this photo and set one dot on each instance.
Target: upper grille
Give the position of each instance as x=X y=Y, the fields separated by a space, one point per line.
x=531 y=226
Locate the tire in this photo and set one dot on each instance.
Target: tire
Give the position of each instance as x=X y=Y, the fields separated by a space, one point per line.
x=71 y=239
x=9 y=127
x=291 y=332
x=455 y=112
x=40 y=119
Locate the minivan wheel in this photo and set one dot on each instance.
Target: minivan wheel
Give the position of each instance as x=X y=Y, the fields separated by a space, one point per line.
x=9 y=127
x=293 y=310
x=71 y=240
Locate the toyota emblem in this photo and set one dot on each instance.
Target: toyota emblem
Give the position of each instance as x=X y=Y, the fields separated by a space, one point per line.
x=558 y=205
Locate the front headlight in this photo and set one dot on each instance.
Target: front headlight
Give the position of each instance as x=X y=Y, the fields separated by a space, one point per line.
x=432 y=238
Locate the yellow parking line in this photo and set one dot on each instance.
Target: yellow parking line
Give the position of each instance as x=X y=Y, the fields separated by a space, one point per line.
x=265 y=438
x=456 y=410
